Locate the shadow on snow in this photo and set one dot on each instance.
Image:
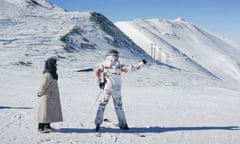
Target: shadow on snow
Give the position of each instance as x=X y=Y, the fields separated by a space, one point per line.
x=148 y=129
x=10 y=107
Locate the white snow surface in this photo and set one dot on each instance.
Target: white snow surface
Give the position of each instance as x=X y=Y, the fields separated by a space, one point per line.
x=191 y=97
x=178 y=41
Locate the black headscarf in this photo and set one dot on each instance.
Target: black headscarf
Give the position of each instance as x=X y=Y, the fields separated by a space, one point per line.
x=50 y=67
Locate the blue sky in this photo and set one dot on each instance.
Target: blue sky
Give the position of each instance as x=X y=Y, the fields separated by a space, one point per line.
x=221 y=17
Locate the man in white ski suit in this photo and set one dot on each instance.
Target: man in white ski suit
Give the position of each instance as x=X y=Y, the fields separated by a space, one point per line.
x=109 y=78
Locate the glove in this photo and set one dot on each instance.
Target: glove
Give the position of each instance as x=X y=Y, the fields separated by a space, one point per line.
x=144 y=61
x=101 y=85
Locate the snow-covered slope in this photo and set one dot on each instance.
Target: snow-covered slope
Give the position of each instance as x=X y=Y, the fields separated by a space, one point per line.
x=31 y=29
x=178 y=101
x=182 y=44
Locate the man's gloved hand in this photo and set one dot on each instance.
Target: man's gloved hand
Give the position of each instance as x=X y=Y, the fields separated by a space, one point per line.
x=144 y=61
x=101 y=85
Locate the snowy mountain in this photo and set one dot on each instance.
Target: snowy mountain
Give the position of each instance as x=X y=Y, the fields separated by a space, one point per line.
x=176 y=43
x=31 y=3
x=184 y=45
x=42 y=28
x=189 y=95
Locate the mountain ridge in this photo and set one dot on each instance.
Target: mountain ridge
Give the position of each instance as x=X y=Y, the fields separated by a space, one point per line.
x=178 y=42
x=50 y=30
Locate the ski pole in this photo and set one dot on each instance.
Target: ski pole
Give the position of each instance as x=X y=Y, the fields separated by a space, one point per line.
x=91 y=109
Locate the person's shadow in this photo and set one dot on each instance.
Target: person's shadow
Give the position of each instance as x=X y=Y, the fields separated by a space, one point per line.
x=154 y=129
x=10 y=107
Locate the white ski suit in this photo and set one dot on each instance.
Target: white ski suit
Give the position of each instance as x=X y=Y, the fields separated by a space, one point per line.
x=111 y=69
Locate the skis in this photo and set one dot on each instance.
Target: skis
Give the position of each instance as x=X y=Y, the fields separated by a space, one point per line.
x=109 y=121
x=131 y=132
x=98 y=134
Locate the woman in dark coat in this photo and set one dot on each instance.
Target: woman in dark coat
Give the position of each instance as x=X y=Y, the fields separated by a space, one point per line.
x=50 y=106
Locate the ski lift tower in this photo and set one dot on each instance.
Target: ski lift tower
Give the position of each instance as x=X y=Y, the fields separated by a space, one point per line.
x=158 y=53
x=153 y=50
